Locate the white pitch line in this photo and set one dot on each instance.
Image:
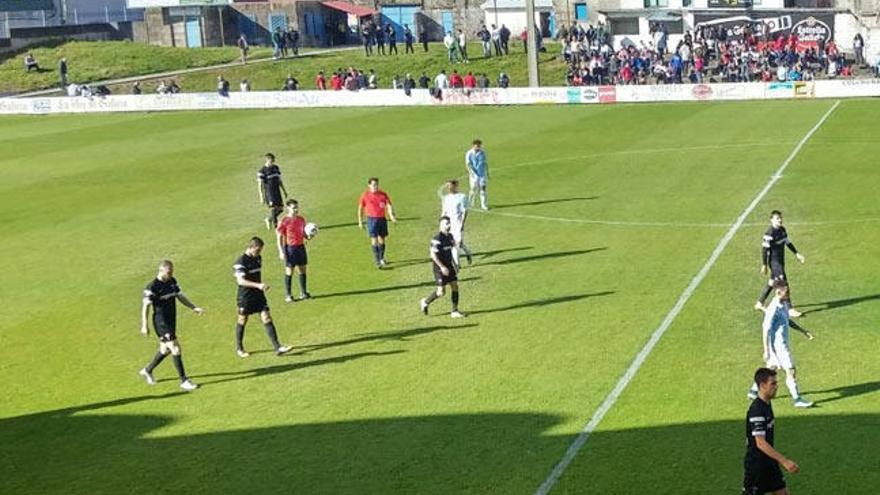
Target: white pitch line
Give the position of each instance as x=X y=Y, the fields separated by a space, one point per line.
x=640 y=358
x=591 y=221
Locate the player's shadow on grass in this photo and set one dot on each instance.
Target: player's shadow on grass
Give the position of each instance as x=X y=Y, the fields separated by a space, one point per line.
x=846 y=391
x=126 y=447
x=537 y=303
x=544 y=202
x=231 y=376
x=543 y=256
x=354 y=224
x=375 y=290
x=395 y=336
x=838 y=303
x=479 y=255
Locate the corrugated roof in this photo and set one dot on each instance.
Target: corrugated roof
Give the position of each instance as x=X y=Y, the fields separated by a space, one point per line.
x=514 y=4
x=358 y=10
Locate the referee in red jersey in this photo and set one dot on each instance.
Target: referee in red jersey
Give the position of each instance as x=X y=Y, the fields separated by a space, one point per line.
x=374 y=202
x=292 y=249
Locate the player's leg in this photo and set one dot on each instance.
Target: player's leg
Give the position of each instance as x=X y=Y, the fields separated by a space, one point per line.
x=381 y=238
x=303 y=285
x=272 y=333
x=791 y=383
x=472 y=188
x=147 y=371
x=239 y=331
x=765 y=292
x=484 y=193
x=288 y=279
x=174 y=348
x=453 y=289
x=437 y=293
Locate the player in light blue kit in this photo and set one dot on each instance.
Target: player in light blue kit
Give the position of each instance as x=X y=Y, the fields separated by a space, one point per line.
x=777 y=349
x=478 y=172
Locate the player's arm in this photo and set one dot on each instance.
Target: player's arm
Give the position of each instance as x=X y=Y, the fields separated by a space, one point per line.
x=360 y=216
x=390 y=210
x=790 y=246
x=189 y=304
x=443 y=269
x=765 y=255
x=281 y=185
x=282 y=241
x=793 y=324
x=145 y=309
x=765 y=447
x=239 y=278
x=260 y=190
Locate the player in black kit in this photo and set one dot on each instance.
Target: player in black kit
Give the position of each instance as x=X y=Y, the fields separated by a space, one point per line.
x=271 y=188
x=762 y=460
x=162 y=294
x=252 y=297
x=442 y=245
x=773 y=257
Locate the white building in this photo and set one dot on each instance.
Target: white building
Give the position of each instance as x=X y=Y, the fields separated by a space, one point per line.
x=512 y=13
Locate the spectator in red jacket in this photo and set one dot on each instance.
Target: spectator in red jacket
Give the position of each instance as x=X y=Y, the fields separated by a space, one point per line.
x=470 y=81
x=455 y=80
x=336 y=82
x=320 y=81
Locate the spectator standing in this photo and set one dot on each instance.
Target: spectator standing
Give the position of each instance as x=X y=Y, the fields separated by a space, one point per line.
x=276 y=44
x=455 y=80
x=408 y=39
x=450 y=43
x=423 y=38
x=62 y=72
x=483 y=81
x=372 y=81
x=136 y=88
x=470 y=82
x=859 y=49
x=392 y=39
x=486 y=40
x=244 y=86
x=283 y=42
x=503 y=81
x=504 y=33
x=243 y=48
x=441 y=82
x=368 y=42
x=320 y=81
x=293 y=41
x=462 y=45
x=380 y=41
x=496 y=40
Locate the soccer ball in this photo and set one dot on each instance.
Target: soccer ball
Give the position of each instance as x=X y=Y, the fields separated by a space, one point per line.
x=311 y=230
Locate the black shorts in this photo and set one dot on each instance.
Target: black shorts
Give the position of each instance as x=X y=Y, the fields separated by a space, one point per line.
x=253 y=302
x=377 y=227
x=295 y=256
x=274 y=200
x=762 y=479
x=444 y=279
x=777 y=272
x=166 y=331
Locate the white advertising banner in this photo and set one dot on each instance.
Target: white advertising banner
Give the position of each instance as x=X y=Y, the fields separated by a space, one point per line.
x=420 y=97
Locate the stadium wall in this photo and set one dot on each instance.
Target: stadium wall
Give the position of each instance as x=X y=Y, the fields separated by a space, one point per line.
x=492 y=96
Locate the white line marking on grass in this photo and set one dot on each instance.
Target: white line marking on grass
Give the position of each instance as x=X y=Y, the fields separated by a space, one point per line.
x=592 y=221
x=640 y=358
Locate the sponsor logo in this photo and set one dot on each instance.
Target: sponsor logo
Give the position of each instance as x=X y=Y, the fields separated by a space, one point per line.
x=803 y=89
x=702 y=92
x=573 y=95
x=811 y=30
x=590 y=94
x=607 y=94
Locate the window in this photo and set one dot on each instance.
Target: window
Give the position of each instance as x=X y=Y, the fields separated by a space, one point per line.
x=656 y=3
x=580 y=11
x=625 y=25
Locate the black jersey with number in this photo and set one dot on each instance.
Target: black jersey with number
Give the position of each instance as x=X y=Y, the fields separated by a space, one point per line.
x=773 y=246
x=163 y=296
x=250 y=267
x=759 y=422
x=270 y=180
x=442 y=245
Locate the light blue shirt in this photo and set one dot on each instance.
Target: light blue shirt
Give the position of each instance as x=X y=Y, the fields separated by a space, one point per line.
x=476 y=162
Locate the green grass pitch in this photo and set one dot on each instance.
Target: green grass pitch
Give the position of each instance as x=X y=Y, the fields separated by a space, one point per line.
x=601 y=217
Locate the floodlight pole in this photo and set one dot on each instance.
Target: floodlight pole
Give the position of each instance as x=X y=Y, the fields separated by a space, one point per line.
x=532 y=55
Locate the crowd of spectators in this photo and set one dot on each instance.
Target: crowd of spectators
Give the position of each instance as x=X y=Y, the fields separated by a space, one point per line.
x=707 y=55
